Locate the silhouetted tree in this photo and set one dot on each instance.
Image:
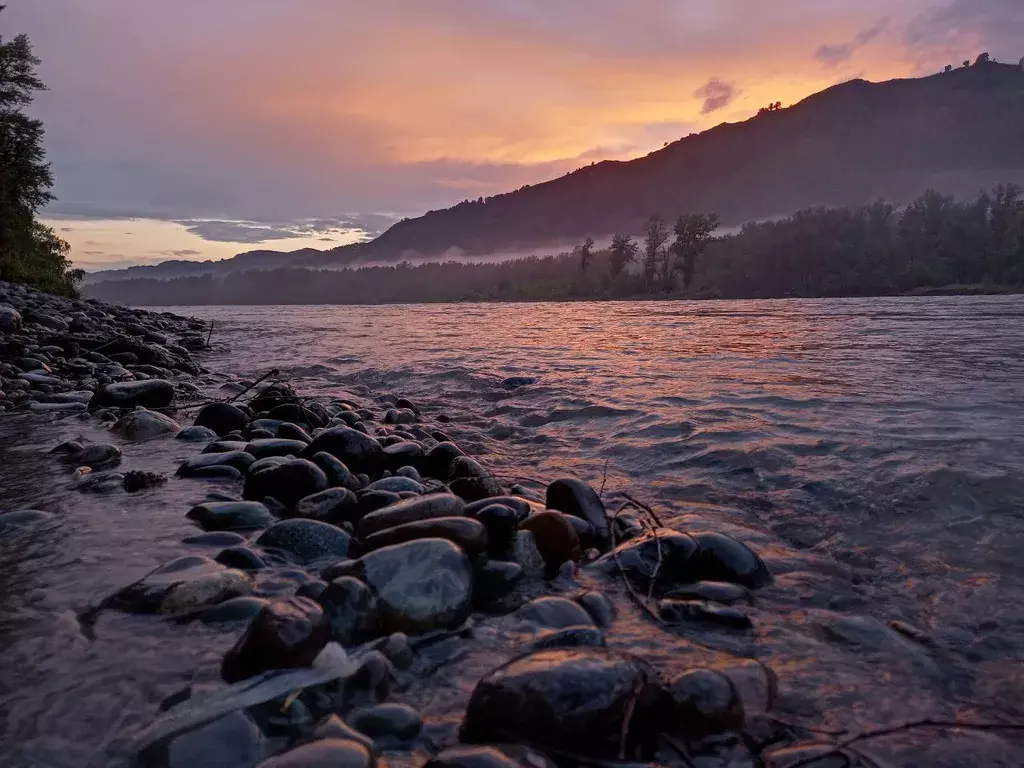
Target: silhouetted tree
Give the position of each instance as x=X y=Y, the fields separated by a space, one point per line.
x=623 y=251
x=655 y=237
x=586 y=253
x=693 y=231
x=29 y=251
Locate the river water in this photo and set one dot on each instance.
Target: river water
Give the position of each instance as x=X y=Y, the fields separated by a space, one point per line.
x=872 y=450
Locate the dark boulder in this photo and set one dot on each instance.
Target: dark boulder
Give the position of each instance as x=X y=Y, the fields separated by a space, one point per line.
x=274 y=446
x=144 y=425
x=239 y=460
x=152 y=393
x=501 y=523
x=233 y=611
x=334 y=505
x=641 y=561
x=231 y=515
x=715 y=591
x=351 y=608
x=284 y=635
x=555 y=536
x=600 y=608
x=410 y=511
x=421 y=585
x=357 y=451
x=555 y=613
x=306 y=540
x=518 y=503
x=323 y=753
x=470 y=535
x=184 y=584
x=574 y=497
x=723 y=558
x=196 y=434
x=288 y=482
x=394 y=721
x=338 y=475
x=241 y=557
x=704 y=702
x=493 y=580
x=469 y=480
x=221 y=418
x=569 y=699
x=438 y=460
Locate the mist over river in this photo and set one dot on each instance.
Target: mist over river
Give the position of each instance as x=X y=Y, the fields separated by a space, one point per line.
x=871 y=450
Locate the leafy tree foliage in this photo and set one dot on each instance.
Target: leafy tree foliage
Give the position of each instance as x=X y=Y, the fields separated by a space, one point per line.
x=693 y=232
x=623 y=251
x=586 y=255
x=29 y=251
x=655 y=237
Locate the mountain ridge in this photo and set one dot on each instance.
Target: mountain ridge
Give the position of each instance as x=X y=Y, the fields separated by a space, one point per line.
x=851 y=143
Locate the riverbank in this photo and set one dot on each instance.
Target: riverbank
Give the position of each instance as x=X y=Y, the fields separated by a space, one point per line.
x=316 y=540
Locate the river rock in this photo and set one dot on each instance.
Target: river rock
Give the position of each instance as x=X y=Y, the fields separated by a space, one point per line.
x=22 y=518
x=600 y=608
x=494 y=579
x=98 y=455
x=288 y=482
x=144 y=425
x=398 y=721
x=306 y=540
x=237 y=609
x=223 y=446
x=333 y=727
x=196 y=434
x=679 y=611
x=400 y=454
x=222 y=418
x=525 y=553
x=468 y=534
x=289 y=431
x=324 y=753
x=704 y=702
x=555 y=536
x=639 y=558
x=10 y=320
x=241 y=557
x=396 y=484
x=520 y=505
x=357 y=451
x=438 y=460
x=185 y=584
x=371 y=501
x=568 y=699
x=285 y=634
x=574 y=497
x=231 y=515
x=569 y=637
x=410 y=511
x=334 y=505
x=231 y=741
x=555 y=612
x=715 y=591
x=153 y=393
x=501 y=523
x=274 y=446
x=722 y=558
x=351 y=608
x=469 y=480
x=338 y=475
x=420 y=585
x=237 y=460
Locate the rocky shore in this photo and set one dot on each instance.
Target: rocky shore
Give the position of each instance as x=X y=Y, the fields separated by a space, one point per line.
x=386 y=542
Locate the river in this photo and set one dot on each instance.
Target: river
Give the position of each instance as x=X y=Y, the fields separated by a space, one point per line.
x=872 y=450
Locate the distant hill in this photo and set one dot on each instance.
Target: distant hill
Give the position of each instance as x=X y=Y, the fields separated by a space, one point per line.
x=858 y=141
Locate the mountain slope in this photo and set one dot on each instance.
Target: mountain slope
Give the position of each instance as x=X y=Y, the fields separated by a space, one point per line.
x=853 y=143
x=849 y=144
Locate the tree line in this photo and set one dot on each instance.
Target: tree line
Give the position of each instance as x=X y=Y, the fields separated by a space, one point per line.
x=934 y=244
x=30 y=252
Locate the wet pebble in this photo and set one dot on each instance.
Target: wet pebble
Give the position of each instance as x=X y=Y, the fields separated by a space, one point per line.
x=470 y=481
x=221 y=418
x=288 y=482
x=682 y=611
x=351 y=609
x=334 y=505
x=193 y=467
x=285 y=634
x=215 y=539
x=600 y=608
x=231 y=515
x=357 y=451
x=574 y=497
x=323 y=753
x=715 y=591
x=306 y=540
x=410 y=511
x=704 y=702
x=196 y=434
x=555 y=537
x=241 y=557
x=397 y=721
x=469 y=535
x=145 y=425
x=554 y=612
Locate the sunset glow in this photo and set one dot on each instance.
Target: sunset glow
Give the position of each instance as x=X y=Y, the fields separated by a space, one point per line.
x=253 y=110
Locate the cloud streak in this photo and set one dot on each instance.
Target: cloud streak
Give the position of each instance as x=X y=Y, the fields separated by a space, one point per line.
x=832 y=55
x=716 y=94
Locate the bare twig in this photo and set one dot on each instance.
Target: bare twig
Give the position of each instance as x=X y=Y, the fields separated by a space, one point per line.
x=657 y=568
x=264 y=377
x=640 y=505
x=643 y=604
x=604 y=479
x=209 y=335
x=624 y=733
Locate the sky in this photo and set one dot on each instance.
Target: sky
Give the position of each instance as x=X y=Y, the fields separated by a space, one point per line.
x=203 y=128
